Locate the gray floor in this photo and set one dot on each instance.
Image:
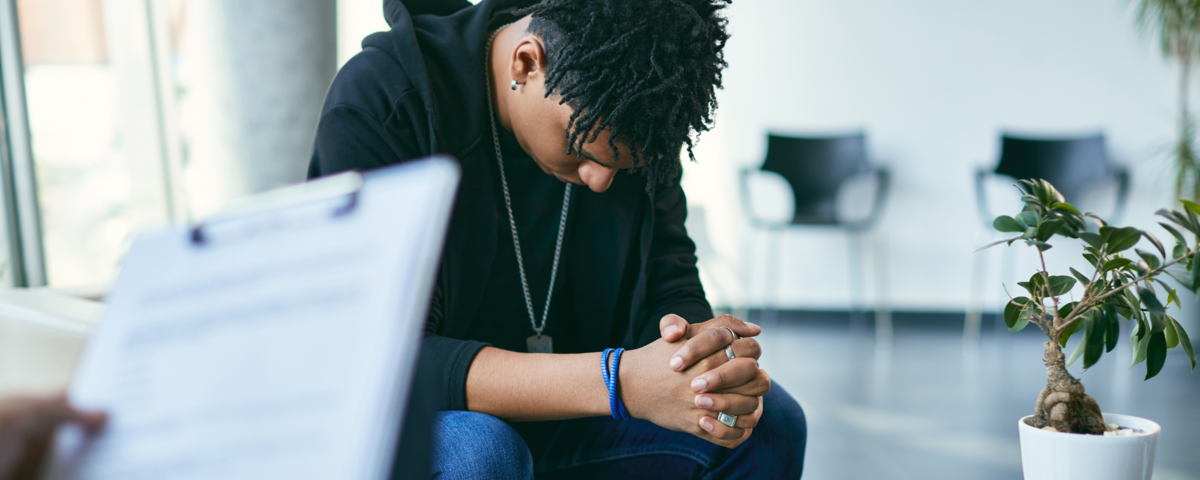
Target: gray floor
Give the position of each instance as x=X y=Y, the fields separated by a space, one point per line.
x=932 y=409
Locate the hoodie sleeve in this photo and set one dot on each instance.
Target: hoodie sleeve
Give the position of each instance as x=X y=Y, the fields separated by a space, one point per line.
x=672 y=277
x=349 y=138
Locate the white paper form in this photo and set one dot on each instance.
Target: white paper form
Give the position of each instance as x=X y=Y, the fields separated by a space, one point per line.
x=283 y=346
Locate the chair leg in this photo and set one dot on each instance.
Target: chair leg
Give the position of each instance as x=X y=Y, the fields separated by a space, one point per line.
x=883 y=310
x=855 y=249
x=974 y=315
x=772 y=270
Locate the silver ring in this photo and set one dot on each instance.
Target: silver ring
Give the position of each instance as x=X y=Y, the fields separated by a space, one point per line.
x=729 y=348
x=726 y=419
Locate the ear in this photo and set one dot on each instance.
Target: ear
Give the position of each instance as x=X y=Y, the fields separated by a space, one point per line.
x=528 y=61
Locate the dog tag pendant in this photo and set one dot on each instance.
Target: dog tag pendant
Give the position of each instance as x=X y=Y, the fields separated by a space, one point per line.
x=539 y=344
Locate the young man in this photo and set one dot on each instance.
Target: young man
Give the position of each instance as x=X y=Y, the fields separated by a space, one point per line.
x=554 y=253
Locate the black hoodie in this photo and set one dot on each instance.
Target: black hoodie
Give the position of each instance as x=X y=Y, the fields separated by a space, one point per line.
x=417 y=90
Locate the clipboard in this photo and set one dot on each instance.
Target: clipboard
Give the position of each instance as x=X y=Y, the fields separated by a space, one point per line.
x=276 y=340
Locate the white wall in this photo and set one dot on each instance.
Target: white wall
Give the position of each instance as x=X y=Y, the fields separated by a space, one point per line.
x=933 y=82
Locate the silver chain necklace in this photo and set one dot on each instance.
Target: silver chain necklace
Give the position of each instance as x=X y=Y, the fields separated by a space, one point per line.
x=537 y=343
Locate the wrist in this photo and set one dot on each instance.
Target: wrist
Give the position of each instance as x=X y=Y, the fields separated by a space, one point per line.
x=627 y=383
x=597 y=396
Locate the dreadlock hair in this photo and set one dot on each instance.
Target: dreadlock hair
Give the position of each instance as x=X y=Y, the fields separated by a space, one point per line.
x=646 y=70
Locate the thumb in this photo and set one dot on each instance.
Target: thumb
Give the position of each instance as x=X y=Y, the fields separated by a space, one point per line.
x=672 y=327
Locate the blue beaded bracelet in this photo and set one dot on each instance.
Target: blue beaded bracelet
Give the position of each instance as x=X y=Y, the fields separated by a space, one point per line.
x=609 y=372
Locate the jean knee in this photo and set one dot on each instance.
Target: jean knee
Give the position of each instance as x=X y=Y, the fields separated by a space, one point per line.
x=477 y=445
x=782 y=432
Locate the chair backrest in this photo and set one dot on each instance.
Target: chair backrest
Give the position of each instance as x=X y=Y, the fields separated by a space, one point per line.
x=815 y=167
x=1068 y=163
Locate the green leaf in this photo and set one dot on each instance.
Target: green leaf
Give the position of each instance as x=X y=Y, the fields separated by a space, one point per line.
x=1065 y=310
x=1041 y=246
x=1170 y=334
x=1119 y=262
x=1065 y=206
x=1075 y=327
x=1182 y=276
x=1157 y=244
x=1061 y=284
x=1094 y=339
x=1142 y=268
x=1195 y=277
x=1047 y=229
x=1092 y=239
x=1158 y=322
x=1113 y=330
x=1005 y=223
x=1140 y=342
x=1151 y=261
x=1179 y=219
x=1080 y=346
x=1038 y=281
x=1191 y=206
x=1099 y=221
x=1123 y=239
x=990 y=245
x=1151 y=302
x=1185 y=343
x=1012 y=312
x=1173 y=296
x=1174 y=233
x=1156 y=354
x=1079 y=276
x=1178 y=251
x=1028 y=219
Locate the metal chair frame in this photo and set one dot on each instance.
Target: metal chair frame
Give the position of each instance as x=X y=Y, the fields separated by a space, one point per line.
x=856 y=232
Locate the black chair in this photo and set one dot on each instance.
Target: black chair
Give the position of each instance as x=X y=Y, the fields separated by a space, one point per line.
x=816 y=167
x=1070 y=164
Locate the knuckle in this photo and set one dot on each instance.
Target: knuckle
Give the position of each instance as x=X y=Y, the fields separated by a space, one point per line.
x=753 y=349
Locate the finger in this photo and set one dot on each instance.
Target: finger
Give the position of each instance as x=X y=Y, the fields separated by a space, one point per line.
x=750 y=421
x=758 y=386
x=746 y=348
x=732 y=374
x=702 y=345
x=719 y=430
x=740 y=327
x=672 y=327
x=726 y=443
x=43 y=414
x=730 y=403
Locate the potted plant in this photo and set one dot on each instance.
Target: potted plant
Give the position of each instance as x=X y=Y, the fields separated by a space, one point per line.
x=1068 y=436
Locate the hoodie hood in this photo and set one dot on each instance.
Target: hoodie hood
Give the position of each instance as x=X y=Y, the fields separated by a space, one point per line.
x=395 y=10
x=440 y=46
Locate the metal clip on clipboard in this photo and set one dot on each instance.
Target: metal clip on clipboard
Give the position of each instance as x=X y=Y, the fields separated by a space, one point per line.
x=283 y=208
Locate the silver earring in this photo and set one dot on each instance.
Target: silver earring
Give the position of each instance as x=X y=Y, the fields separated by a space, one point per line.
x=514 y=84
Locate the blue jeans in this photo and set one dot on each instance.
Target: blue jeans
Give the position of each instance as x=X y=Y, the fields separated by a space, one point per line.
x=476 y=445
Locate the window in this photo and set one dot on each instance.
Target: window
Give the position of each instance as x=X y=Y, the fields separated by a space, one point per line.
x=96 y=130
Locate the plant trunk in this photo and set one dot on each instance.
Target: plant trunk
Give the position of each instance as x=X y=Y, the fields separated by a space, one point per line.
x=1063 y=403
x=1187 y=182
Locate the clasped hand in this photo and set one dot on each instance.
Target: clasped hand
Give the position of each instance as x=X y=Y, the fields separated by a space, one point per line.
x=684 y=379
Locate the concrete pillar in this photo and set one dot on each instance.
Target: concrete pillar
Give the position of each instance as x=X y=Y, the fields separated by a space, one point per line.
x=253 y=75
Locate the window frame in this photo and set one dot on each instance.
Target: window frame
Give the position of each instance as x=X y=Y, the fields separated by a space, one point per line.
x=20 y=215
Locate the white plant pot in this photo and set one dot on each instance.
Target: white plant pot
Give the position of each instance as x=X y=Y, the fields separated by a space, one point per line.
x=1049 y=455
